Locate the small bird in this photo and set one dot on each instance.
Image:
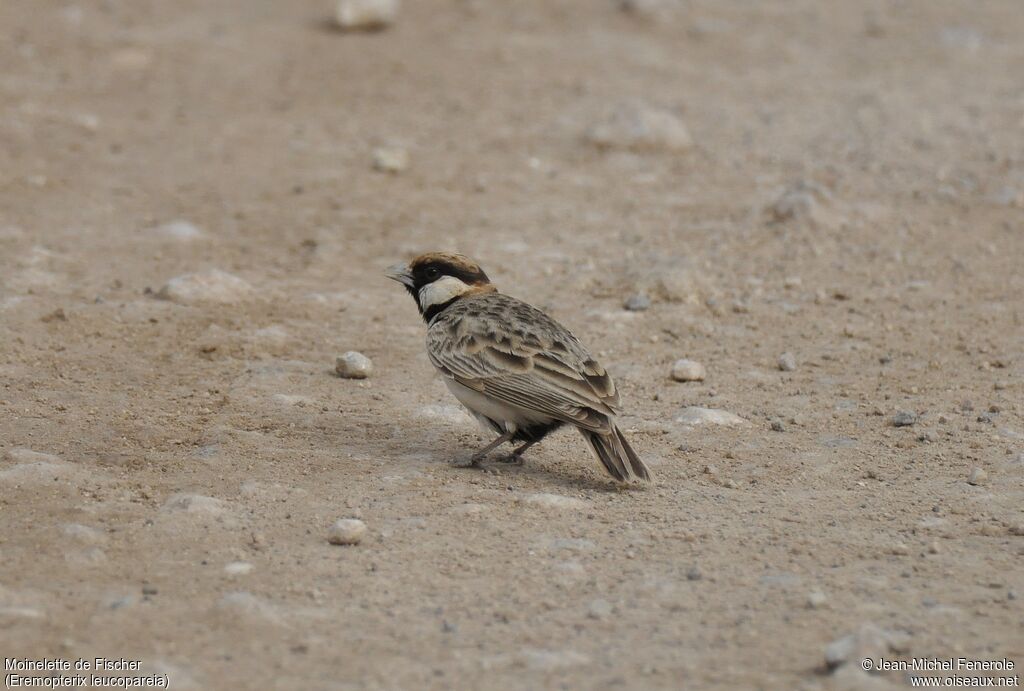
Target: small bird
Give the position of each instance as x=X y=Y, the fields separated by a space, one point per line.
x=517 y=370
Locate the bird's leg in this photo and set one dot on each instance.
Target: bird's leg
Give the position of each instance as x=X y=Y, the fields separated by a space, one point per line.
x=479 y=455
x=516 y=456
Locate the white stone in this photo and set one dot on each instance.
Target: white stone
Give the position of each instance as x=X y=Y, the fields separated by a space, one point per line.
x=553 y=501
x=213 y=286
x=978 y=477
x=695 y=415
x=787 y=362
x=640 y=127
x=353 y=365
x=366 y=14
x=390 y=159
x=346 y=531
x=238 y=568
x=688 y=370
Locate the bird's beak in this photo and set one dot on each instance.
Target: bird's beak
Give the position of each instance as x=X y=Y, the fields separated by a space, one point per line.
x=400 y=273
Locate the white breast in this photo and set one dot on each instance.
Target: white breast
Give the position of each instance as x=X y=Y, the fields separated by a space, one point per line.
x=509 y=417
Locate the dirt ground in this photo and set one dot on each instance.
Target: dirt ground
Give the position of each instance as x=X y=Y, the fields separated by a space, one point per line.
x=173 y=454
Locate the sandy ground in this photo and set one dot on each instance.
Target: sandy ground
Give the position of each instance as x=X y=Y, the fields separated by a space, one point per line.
x=853 y=195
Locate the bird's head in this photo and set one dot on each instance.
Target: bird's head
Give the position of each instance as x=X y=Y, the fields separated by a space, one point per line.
x=437 y=279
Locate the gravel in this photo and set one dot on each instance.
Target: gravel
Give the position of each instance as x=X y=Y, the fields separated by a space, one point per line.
x=346 y=531
x=787 y=362
x=353 y=365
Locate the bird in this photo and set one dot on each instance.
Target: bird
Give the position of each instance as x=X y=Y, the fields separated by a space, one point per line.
x=519 y=372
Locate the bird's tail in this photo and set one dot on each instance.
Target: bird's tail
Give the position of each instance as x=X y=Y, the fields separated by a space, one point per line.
x=617 y=456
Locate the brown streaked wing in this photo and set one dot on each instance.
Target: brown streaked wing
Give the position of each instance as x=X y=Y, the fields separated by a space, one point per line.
x=503 y=347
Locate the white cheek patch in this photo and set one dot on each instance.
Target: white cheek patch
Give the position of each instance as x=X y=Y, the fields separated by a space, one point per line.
x=441 y=291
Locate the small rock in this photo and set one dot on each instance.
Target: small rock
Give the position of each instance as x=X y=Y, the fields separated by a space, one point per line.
x=777 y=426
x=688 y=370
x=599 y=609
x=694 y=574
x=695 y=415
x=390 y=159
x=800 y=201
x=787 y=362
x=816 y=599
x=978 y=477
x=640 y=127
x=353 y=365
x=868 y=641
x=238 y=568
x=346 y=531
x=213 y=286
x=904 y=418
x=553 y=501
x=637 y=303
x=366 y=15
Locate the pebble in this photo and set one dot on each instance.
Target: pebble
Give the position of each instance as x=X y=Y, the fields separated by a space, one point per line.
x=641 y=128
x=978 y=476
x=238 y=568
x=390 y=159
x=777 y=426
x=688 y=370
x=366 y=15
x=696 y=415
x=346 y=531
x=212 y=286
x=599 y=609
x=800 y=201
x=816 y=599
x=637 y=303
x=353 y=365
x=553 y=501
x=787 y=362
x=868 y=641
x=694 y=574
x=904 y=418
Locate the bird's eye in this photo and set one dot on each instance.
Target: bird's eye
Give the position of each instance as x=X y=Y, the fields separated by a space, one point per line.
x=433 y=272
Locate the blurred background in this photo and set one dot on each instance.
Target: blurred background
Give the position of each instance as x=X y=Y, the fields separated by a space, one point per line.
x=821 y=203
